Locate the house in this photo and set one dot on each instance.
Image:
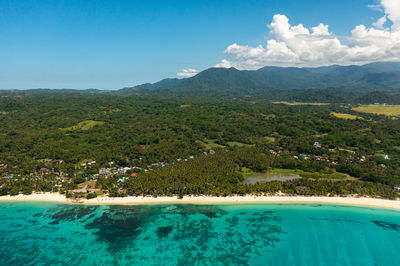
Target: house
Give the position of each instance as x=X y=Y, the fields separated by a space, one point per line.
x=120 y=180
x=105 y=171
x=44 y=171
x=317 y=145
x=396 y=187
x=385 y=156
x=57 y=161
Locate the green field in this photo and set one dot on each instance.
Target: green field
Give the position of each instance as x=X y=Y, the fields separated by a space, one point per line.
x=84 y=125
x=239 y=144
x=246 y=172
x=270 y=139
x=297 y=103
x=210 y=144
x=335 y=176
x=389 y=110
x=346 y=116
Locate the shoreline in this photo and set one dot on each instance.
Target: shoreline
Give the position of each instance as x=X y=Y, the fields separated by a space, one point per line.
x=351 y=201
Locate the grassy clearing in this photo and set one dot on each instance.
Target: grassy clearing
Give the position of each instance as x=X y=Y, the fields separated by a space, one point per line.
x=296 y=103
x=268 y=117
x=346 y=116
x=314 y=175
x=84 y=125
x=246 y=172
x=210 y=144
x=270 y=139
x=330 y=177
x=346 y=150
x=321 y=135
x=336 y=176
x=239 y=144
x=388 y=110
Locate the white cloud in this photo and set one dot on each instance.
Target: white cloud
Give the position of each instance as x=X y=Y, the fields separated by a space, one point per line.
x=224 y=64
x=187 y=73
x=380 y=22
x=296 y=45
x=392 y=11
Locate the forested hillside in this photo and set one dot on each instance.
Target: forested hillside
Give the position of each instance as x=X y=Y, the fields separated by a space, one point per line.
x=135 y=145
x=333 y=83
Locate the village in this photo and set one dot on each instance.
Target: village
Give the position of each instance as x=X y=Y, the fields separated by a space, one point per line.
x=81 y=184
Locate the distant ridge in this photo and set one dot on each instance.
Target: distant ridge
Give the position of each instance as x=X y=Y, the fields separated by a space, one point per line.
x=371 y=83
x=380 y=76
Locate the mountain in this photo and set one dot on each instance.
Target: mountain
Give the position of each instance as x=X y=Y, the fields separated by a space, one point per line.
x=272 y=81
x=381 y=67
x=160 y=84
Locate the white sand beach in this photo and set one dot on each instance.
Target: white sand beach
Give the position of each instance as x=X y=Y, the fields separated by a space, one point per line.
x=354 y=201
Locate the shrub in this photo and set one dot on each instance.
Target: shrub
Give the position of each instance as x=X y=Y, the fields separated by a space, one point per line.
x=91 y=196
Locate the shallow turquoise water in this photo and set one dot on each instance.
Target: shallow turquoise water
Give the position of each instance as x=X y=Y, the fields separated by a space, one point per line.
x=246 y=234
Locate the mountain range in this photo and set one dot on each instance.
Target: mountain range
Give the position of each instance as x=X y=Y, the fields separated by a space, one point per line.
x=371 y=83
x=380 y=80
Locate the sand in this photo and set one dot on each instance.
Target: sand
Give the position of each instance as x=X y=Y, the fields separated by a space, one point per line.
x=351 y=200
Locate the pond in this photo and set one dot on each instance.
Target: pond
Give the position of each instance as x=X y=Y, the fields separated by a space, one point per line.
x=269 y=177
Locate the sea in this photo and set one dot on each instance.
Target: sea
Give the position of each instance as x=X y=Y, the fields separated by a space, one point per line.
x=33 y=233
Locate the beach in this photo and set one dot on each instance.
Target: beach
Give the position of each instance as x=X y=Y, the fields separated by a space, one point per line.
x=281 y=198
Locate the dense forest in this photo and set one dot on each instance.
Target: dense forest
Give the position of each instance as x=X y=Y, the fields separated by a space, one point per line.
x=100 y=143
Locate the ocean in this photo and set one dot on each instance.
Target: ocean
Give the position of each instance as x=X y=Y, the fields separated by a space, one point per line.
x=33 y=233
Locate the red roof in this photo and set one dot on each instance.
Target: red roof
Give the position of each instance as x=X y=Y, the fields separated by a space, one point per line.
x=133 y=174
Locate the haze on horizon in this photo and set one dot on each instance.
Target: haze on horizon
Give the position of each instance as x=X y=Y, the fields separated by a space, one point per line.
x=115 y=44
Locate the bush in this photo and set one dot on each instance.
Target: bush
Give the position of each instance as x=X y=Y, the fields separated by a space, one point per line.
x=79 y=179
x=26 y=190
x=14 y=191
x=91 y=196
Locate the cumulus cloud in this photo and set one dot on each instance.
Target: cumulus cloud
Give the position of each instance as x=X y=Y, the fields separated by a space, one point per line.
x=224 y=64
x=187 y=73
x=297 y=45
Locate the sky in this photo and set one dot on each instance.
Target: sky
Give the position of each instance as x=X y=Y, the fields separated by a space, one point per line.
x=115 y=44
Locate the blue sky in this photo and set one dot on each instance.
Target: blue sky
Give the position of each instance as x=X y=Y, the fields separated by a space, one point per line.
x=114 y=44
